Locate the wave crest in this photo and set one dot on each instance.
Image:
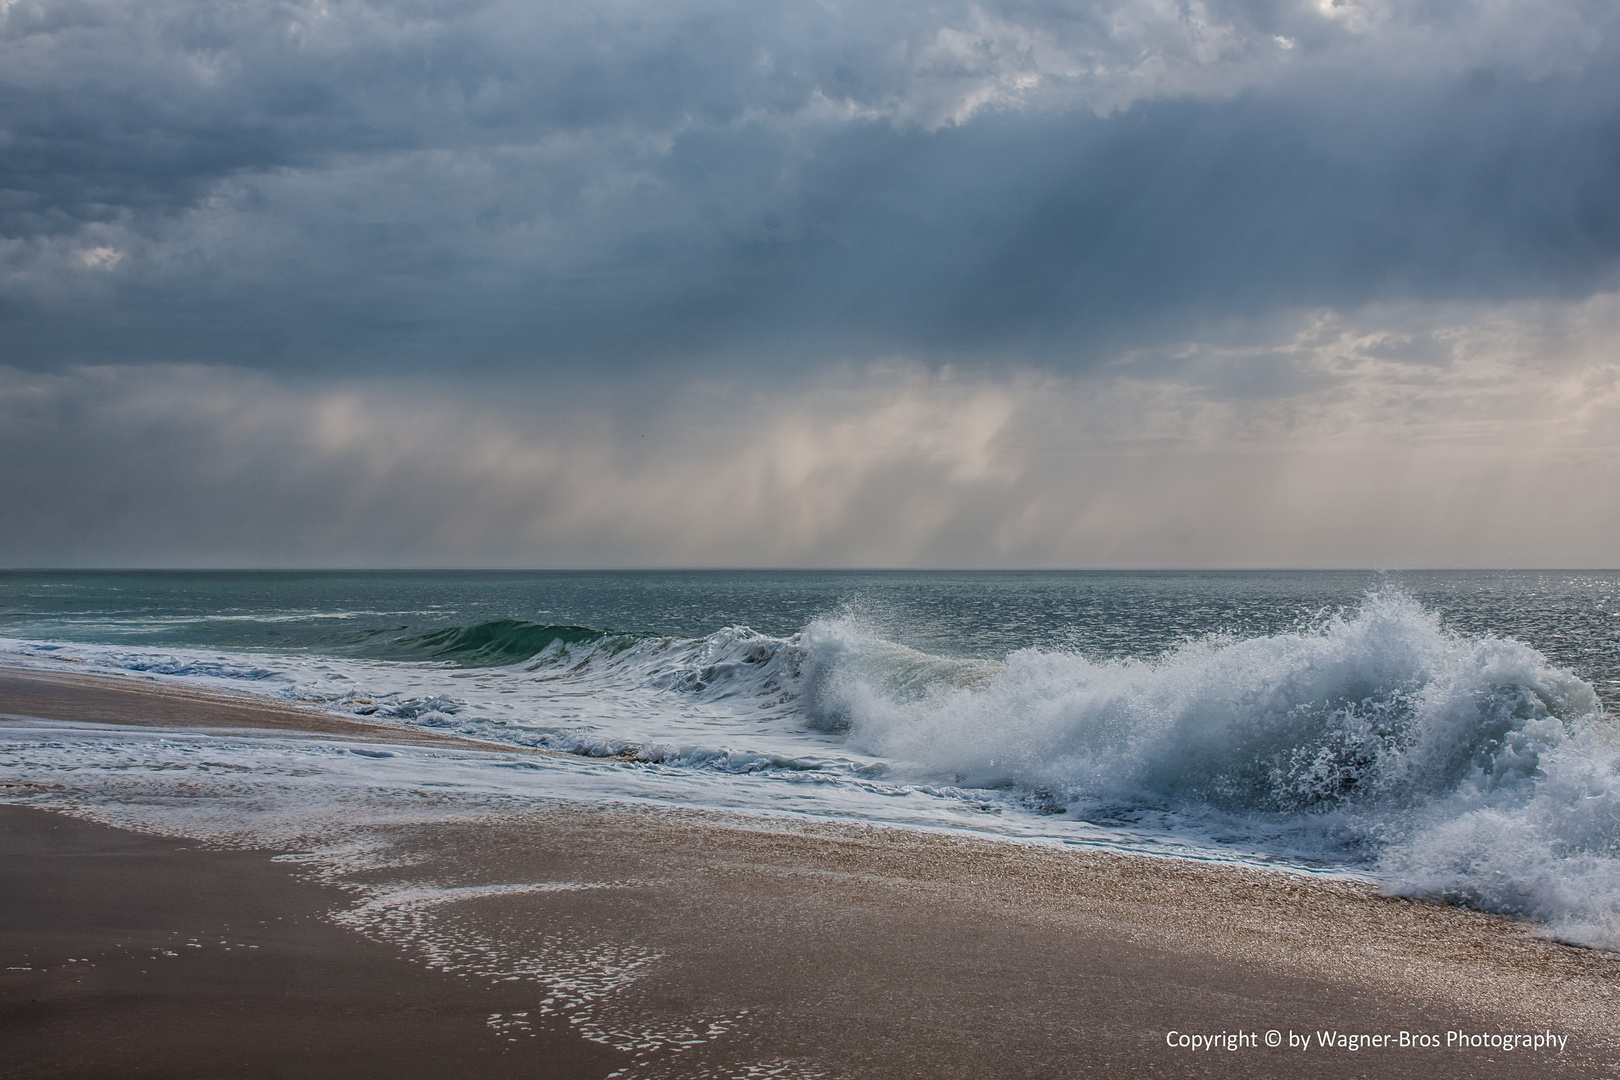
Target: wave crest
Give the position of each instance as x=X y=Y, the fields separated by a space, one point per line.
x=498 y=642
x=1466 y=769
x=1379 y=707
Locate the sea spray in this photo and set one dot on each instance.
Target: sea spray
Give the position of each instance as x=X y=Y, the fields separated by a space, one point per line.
x=1463 y=768
x=1379 y=707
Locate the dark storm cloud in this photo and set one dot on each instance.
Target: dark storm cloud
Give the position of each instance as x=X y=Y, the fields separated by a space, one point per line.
x=1043 y=233
x=364 y=186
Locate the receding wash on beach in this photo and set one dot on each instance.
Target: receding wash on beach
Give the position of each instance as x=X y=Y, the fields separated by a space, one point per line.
x=665 y=814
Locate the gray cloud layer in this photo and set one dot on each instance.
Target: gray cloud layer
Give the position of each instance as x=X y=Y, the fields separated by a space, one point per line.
x=365 y=186
x=1019 y=282
x=1486 y=437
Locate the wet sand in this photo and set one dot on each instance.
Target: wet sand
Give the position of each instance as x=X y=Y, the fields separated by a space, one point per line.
x=687 y=944
x=129 y=955
x=30 y=693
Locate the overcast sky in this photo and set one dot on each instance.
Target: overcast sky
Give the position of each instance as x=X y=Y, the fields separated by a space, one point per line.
x=785 y=282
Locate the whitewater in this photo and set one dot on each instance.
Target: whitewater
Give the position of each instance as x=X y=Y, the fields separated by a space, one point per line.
x=1375 y=738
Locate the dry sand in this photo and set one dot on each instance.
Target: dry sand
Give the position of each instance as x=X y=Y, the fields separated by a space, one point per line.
x=687 y=944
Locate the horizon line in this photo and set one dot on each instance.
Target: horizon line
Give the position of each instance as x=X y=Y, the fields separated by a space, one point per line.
x=698 y=569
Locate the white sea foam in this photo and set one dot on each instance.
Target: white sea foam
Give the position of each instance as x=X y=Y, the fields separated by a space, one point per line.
x=1547 y=848
x=1382 y=708
x=1462 y=767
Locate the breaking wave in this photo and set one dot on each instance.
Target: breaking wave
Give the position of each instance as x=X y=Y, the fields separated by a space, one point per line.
x=1463 y=768
x=501 y=641
x=1381 y=707
x=1467 y=768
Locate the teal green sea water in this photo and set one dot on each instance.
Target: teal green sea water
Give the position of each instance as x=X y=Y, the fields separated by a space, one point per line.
x=1573 y=617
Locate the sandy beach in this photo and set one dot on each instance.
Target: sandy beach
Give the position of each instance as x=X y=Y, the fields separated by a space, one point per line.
x=551 y=939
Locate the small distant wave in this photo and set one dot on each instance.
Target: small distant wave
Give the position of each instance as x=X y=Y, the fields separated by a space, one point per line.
x=501 y=641
x=735 y=666
x=757 y=671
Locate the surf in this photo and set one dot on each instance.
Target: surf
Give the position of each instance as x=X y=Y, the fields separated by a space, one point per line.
x=1463 y=767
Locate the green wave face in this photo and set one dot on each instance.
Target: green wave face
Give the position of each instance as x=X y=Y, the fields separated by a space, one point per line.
x=502 y=641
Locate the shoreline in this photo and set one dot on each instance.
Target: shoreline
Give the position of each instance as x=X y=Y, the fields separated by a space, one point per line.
x=134 y=955
x=33 y=692
x=696 y=943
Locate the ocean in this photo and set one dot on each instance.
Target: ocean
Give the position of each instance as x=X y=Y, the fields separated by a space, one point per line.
x=1446 y=734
